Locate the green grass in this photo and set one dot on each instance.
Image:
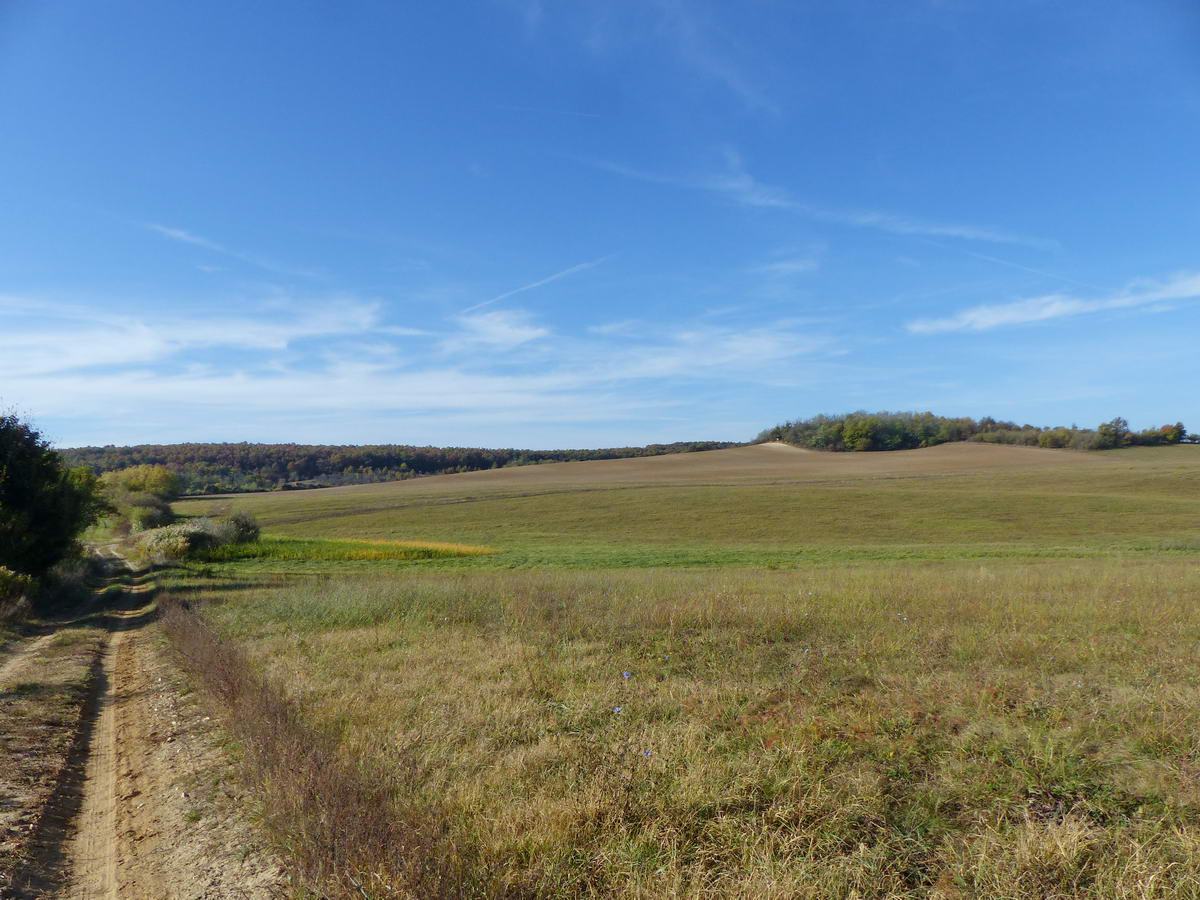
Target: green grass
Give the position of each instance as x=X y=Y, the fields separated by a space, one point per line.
x=950 y=684
x=1137 y=501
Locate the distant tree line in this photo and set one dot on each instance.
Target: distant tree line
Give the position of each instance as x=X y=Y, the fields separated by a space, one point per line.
x=233 y=468
x=859 y=431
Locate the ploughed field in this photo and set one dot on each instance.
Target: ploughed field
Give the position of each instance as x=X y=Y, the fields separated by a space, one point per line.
x=968 y=671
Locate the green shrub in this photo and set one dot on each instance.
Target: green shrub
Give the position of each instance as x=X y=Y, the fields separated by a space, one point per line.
x=157 y=481
x=236 y=528
x=148 y=514
x=15 y=591
x=172 y=543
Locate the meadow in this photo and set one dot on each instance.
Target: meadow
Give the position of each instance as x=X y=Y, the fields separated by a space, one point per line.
x=967 y=671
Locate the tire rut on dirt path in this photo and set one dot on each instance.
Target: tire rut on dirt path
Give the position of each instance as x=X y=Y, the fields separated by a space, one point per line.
x=75 y=847
x=139 y=803
x=91 y=854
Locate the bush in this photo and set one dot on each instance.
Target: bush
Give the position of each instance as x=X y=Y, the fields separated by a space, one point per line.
x=142 y=496
x=157 y=481
x=173 y=543
x=237 y=528
x=150 y=514
x=15 y=592
x=70 y=582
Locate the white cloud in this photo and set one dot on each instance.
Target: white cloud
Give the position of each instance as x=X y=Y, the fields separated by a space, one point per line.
x=186 y=237
x=622 y=328
x=786 y=268
x=1057 y=306
x=44 y=338
x=739 y=186
x=703 y=44
x=497 y=330
x=687 y=30
x=703 y=352
x=743 y=188
x=284 y=373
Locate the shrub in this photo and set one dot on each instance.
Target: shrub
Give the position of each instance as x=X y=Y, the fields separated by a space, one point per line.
x=148 y=512
x=158 y=481
x=15 y=591
x=70 y=582
x=237 y=528
x=1055 y=438
x=172 y=543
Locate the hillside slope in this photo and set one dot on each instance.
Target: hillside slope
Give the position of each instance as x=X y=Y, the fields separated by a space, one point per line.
x=732 y=506
x=754 y=462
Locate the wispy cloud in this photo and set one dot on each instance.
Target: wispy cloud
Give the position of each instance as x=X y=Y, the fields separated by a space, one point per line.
x=1020 y=268
x=1057 y=306
x=787 y=268
x=497 y=330
x=689 y=32
x=539 y=283
x=728 y=353
x=621 y=328
x=45 y=338
x=703 y=45
x=187 y=237
x=740 y=187
x=292 y=373
x=743 y=188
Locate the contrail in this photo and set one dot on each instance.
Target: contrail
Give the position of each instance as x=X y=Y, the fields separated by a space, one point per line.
x=1013 y=265
x=537 y=284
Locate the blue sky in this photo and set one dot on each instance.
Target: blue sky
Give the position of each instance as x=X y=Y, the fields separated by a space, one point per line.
x=575 y=223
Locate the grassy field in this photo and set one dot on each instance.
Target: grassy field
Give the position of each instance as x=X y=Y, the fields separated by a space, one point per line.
x=770 y=504
x=340 y=550
x=961 y=672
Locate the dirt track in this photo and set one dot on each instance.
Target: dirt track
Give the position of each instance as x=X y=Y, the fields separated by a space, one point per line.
x=92 y=854
x=143 y=807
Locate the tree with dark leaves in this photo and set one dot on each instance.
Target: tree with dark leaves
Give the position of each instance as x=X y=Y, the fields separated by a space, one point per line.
x=43 y=505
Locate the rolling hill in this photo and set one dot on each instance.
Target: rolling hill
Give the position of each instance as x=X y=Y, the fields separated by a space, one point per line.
x=770 y=503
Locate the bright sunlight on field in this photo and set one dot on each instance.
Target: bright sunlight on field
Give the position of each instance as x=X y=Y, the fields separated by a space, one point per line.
x=963 y=672
x=340 y=550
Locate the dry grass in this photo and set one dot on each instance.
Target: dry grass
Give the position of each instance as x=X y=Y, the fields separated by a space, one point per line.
x=1014 y=730
x=760 y=505
x=344 y=822
x=959 y=672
